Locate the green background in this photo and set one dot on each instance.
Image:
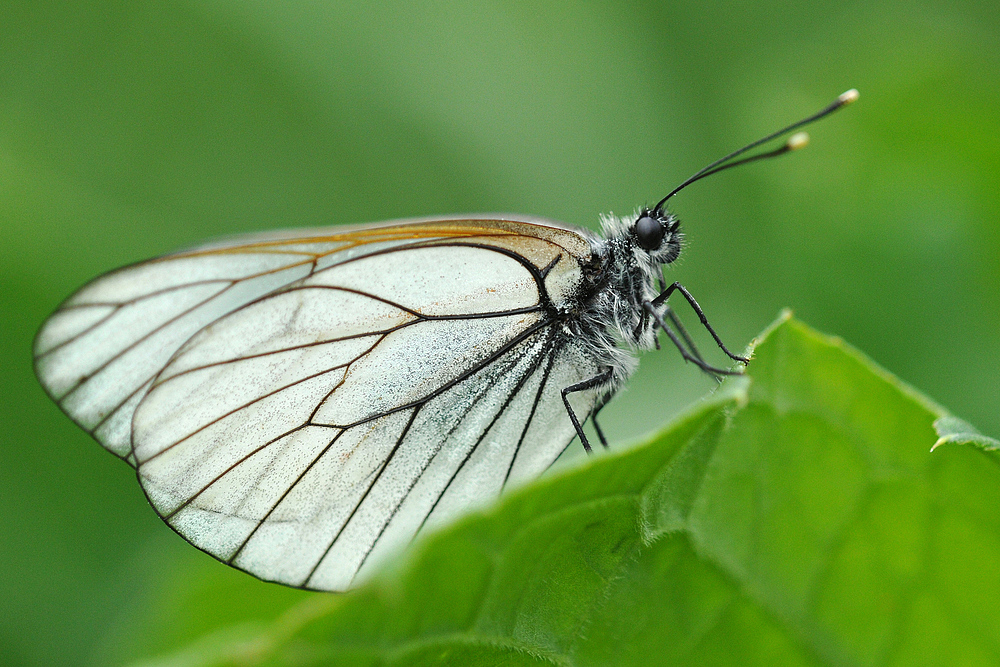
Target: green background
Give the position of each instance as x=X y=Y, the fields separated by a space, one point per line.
x=131 y=129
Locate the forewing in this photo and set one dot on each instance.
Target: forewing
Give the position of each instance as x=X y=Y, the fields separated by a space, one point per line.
x=98 y=354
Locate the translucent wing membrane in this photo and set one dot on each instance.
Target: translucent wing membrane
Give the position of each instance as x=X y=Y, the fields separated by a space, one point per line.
x=300 y=406
x=109 y=347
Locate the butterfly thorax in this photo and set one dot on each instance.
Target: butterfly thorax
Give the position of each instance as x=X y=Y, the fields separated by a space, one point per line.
x=620 y=279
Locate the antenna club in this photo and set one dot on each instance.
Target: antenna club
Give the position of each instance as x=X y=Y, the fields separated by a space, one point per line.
x=797 y=141
x=849 y=96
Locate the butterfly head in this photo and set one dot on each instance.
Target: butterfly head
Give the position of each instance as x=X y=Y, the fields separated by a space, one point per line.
x=657 y=233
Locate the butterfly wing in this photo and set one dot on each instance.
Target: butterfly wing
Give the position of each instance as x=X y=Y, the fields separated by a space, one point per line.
x=97 y=354
x=299 y=405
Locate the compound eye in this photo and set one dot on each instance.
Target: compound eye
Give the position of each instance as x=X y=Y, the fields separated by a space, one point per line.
x=648 y=232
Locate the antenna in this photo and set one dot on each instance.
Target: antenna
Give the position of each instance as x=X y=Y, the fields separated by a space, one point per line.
x=795 y=142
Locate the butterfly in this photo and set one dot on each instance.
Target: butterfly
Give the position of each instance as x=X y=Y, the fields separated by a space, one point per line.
x=301 y=404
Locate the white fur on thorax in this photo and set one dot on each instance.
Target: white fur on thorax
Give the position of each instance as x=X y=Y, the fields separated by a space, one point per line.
x=612 y=319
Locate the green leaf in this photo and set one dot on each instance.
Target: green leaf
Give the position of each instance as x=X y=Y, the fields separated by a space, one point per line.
x=795 y=517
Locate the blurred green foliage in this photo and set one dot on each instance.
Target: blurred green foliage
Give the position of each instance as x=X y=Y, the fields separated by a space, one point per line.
x=131 y=129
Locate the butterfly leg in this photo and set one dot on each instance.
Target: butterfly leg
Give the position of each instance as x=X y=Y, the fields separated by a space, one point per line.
x=696 y=360
x=701 y=315
x=692 y=348
x=593 y=420
x=596 y=381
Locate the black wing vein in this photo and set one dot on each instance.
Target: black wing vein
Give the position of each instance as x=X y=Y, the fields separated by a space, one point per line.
x=291 y=486
x=357 y=505
x=503 y=408
x=513 y=394
x=531 y=414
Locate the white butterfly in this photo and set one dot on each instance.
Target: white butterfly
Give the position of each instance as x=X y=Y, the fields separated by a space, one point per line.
x=300 y=404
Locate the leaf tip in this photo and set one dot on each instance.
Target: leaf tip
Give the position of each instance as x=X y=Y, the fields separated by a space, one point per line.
x=952 y=429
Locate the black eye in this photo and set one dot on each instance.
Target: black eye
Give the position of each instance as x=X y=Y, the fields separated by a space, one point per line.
x=648 y=232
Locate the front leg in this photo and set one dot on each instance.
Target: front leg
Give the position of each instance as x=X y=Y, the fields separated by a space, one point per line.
x=658 y=301
x=696 y=360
